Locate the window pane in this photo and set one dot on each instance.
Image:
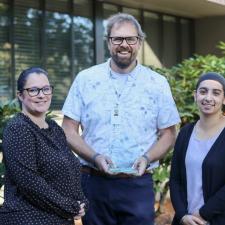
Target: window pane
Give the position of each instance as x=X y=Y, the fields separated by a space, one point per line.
x=60 y=6
x=69 y=36
x=57 y=52
x=108 y=10
x=152 y=40
x=83 y=35
x=83 y=8
x=169 y=41
x=26 y=35
x=185 y=38
x=5 y=61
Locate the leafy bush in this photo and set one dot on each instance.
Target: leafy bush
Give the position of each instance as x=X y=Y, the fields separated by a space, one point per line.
x=182 y=79
x=7 y=110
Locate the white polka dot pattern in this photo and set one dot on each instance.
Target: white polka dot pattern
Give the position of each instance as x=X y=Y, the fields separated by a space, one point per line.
x=42 y=182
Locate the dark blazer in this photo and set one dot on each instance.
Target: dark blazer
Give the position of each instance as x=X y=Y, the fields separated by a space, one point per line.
x=213 y=179
x=42 y=181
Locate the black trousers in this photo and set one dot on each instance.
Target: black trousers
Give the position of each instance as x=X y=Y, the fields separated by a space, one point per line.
x=119 y=201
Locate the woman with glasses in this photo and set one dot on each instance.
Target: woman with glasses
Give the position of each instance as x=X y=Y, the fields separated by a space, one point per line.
x=197 y=181
x=42 y=180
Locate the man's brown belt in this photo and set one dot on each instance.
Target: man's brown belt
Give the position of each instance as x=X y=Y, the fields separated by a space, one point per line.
x=94 y=172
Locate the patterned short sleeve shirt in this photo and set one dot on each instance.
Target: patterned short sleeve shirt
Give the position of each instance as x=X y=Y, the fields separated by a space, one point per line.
x=144 y=105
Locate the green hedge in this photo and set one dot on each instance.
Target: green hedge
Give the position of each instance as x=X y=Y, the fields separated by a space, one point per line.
x=7 y=111
x=183 y=77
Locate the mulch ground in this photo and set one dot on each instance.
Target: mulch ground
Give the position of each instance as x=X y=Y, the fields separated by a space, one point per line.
x=164 y=218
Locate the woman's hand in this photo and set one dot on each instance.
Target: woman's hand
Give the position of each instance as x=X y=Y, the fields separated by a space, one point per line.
x=192 y=220
x=81 y=212
x=198 y=216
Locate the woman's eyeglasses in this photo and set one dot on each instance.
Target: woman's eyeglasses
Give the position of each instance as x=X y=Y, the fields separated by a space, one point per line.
x=34 y=91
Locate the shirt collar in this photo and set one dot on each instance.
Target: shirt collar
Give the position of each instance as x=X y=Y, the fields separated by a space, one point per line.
x=132 y=74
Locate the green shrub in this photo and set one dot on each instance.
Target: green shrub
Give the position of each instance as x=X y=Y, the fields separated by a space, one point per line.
x=183 y=77
x=7 y=111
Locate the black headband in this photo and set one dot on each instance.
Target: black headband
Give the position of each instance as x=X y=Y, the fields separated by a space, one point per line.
x=211 y=76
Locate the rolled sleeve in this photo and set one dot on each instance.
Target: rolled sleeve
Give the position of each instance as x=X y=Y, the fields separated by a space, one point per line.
x=167 y=112
x=73 y=103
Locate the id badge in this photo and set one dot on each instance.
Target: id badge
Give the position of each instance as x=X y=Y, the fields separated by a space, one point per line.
x=115 y=116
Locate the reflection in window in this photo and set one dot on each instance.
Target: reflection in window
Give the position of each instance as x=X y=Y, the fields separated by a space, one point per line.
x=108 y=10
x=83 y=27
x=59 y=35
x=84 y=43
x=69 y=44
x=5 y=81
x=57 y=53
x=26 y=35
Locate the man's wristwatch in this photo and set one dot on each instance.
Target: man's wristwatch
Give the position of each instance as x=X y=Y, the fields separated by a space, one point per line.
x=147 y=159
x=93 y=159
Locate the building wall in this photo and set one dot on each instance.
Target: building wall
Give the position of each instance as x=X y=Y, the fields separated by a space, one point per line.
x=67 y=36
x=208 y=32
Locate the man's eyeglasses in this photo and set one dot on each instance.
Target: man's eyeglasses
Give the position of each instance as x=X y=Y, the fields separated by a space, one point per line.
x=119 y=40
x=34 y=91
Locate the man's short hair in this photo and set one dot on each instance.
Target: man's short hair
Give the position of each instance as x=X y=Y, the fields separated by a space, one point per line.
x=120 y=18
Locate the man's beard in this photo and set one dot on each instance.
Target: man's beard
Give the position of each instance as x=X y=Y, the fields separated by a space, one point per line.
x=124 y=63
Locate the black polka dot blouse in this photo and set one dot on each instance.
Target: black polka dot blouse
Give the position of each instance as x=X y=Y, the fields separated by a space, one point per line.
x=42 y=180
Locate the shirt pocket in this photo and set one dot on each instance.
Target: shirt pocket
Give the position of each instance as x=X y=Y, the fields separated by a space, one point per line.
x=143 y=111
x=97 y=109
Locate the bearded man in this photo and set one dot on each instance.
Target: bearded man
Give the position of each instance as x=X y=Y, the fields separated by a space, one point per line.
x=128 y=117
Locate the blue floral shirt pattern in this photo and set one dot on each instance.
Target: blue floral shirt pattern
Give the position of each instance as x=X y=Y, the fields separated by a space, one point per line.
x=144 y=105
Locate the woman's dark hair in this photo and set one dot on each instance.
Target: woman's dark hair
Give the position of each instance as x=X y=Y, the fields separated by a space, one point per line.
x=24 y=76
x=212 y=76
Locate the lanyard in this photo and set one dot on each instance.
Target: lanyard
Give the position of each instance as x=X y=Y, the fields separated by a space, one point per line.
x=122 y=84
x=116 y=111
